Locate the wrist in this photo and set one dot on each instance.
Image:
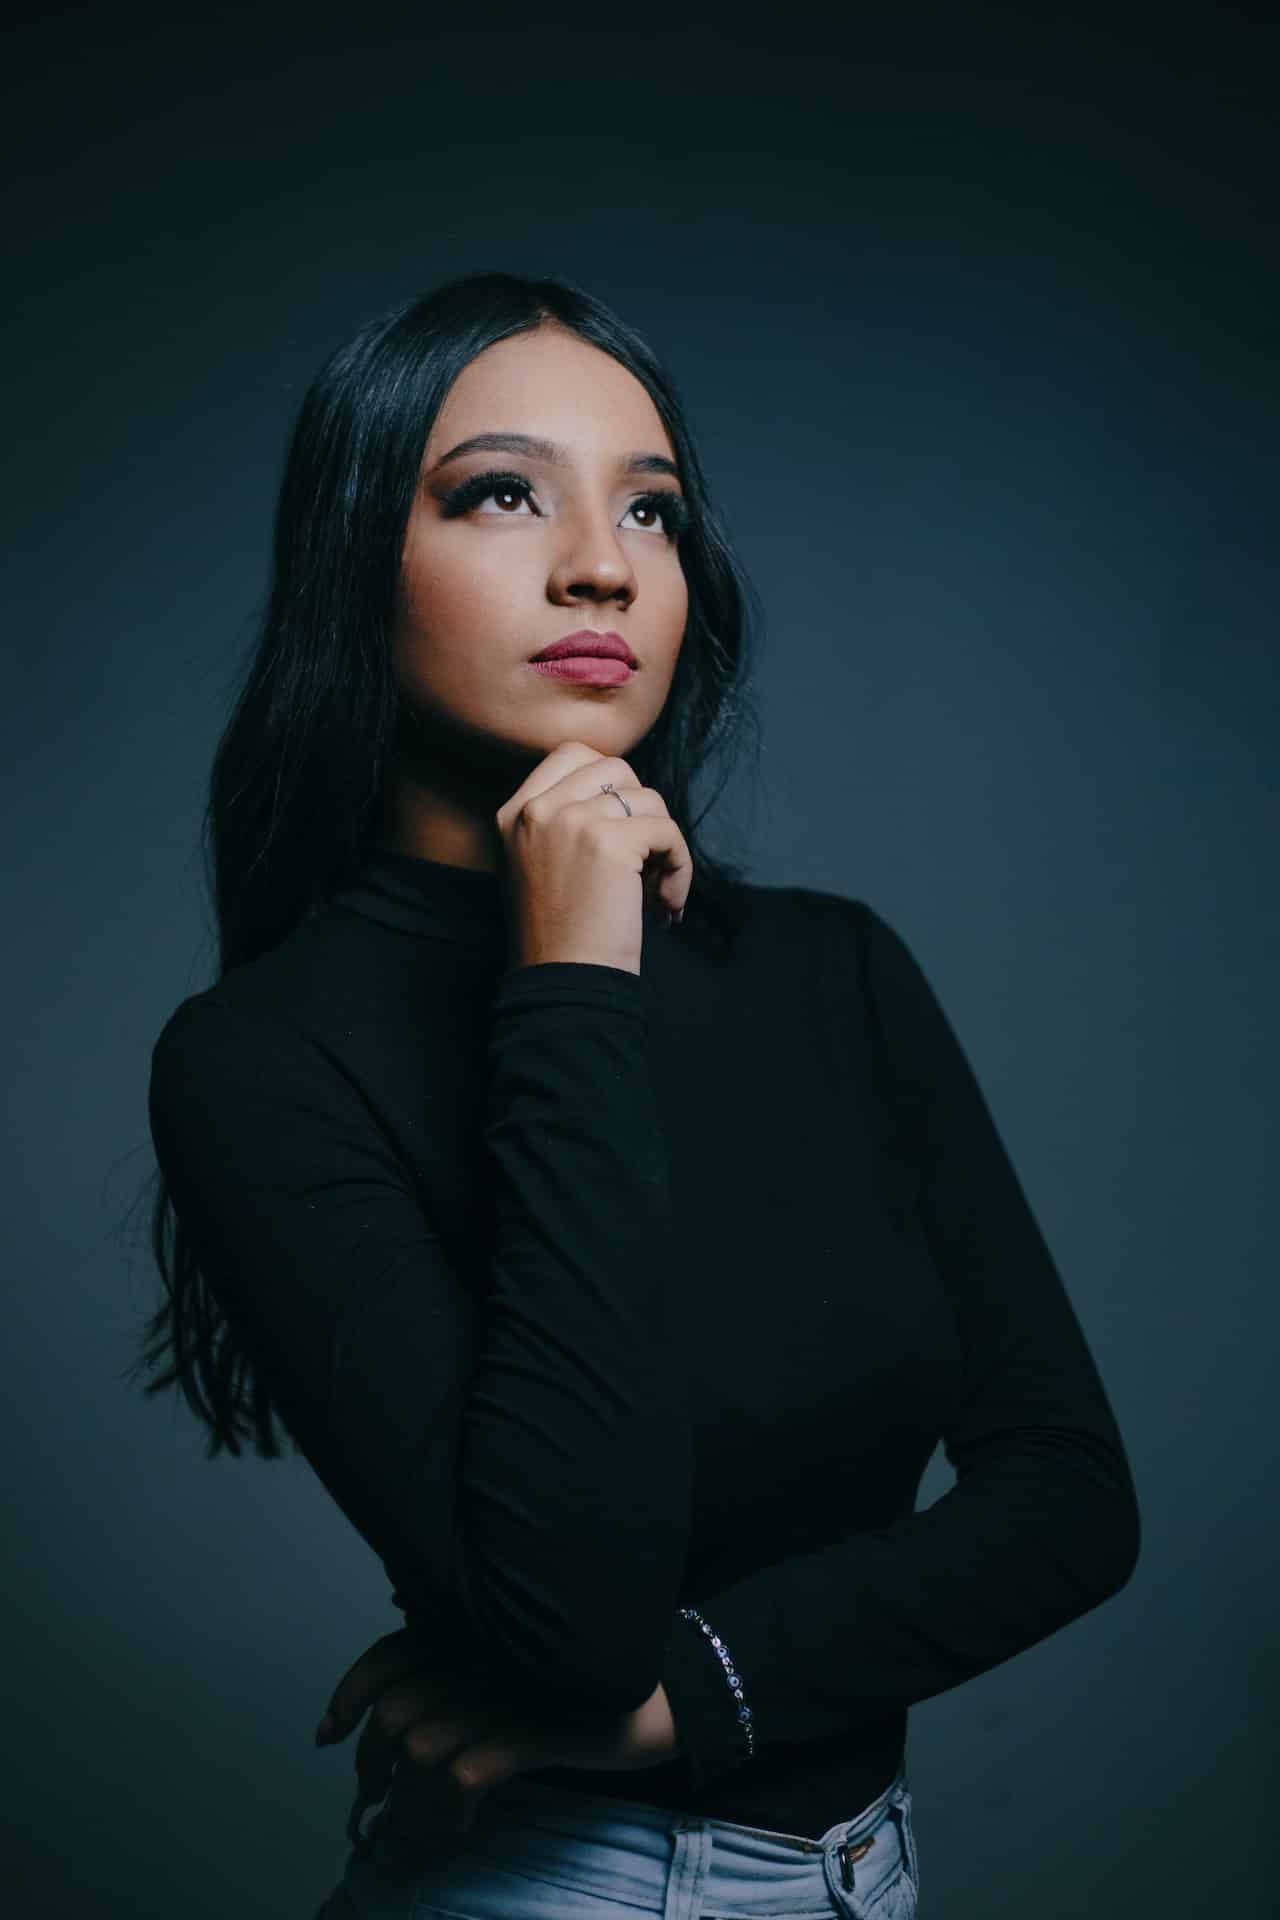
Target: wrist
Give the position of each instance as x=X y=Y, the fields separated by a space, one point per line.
x=657 y=1736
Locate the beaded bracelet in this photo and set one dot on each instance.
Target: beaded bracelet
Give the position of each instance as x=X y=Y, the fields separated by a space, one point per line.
x=731 y=1675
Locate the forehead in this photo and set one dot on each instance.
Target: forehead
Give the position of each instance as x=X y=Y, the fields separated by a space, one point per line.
x=552 y=384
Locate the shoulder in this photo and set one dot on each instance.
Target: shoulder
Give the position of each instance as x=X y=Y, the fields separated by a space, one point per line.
x=269 y=1024
x=850 y=944
x=246 y=1009
x=299 y=996
x=843 y=924
x=220 y=1061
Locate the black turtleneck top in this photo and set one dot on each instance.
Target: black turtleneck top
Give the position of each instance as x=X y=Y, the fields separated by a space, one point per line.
x=590 y=1295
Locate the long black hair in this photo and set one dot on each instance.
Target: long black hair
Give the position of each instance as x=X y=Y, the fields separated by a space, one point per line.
x=299 y=776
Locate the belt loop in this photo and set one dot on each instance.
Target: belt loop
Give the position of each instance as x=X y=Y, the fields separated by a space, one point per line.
x=690 y=1864
x=848 y=1851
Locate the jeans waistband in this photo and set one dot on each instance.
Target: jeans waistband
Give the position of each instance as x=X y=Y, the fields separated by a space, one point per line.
x=538 y=1796
x=666 y=1862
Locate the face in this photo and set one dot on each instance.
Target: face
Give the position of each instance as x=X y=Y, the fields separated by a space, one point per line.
x=494 y=571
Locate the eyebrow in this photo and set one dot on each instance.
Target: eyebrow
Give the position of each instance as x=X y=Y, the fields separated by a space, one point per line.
x=538 y=449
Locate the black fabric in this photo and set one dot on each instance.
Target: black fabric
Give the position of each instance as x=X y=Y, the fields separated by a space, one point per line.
x=590 y=1294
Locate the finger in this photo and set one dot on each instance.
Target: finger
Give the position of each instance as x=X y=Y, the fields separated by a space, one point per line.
x=444 y=1798
x=380 y=1742
x=651 y=878
x=562 y=759
x=413 y=1731
x=376 y=1756
x=392 y=1658
x=438 y=1740
x=485 y=1765
x=658 y=840
x=662 y=889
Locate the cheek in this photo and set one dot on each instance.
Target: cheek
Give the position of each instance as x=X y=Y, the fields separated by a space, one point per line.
x=678 y=601
x=664 y=590
x=455 y=601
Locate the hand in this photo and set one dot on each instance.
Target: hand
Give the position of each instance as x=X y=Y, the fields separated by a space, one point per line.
x=435 y=1754
x=577 y=864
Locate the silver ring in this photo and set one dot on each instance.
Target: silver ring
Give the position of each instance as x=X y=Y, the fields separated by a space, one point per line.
x=609 y=787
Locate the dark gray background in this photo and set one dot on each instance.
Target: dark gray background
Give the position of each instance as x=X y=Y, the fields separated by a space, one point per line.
x=970 y=314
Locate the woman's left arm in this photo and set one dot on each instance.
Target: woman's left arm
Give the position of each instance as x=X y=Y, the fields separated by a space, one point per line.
x=435 y=1748
x=1042 y=1524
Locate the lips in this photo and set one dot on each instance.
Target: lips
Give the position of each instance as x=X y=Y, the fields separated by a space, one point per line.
x=595 y=646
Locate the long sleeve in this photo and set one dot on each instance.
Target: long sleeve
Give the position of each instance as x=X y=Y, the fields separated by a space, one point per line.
x=518 y=1451
x=1042 y=1523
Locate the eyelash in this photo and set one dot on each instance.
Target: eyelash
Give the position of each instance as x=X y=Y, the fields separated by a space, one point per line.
x=669 y=506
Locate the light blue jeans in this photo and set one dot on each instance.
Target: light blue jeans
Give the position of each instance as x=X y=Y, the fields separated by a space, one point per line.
x=538 y=1852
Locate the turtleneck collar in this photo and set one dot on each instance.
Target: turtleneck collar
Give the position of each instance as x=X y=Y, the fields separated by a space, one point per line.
x=416 y=895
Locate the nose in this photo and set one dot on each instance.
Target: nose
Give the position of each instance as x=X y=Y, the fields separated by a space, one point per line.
x=592 y=561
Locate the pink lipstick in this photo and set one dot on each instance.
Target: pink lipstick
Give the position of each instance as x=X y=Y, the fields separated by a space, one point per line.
x=591 y=659
x=586 y=671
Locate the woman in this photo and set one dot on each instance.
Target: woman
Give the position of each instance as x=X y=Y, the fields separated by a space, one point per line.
x=617 y=1282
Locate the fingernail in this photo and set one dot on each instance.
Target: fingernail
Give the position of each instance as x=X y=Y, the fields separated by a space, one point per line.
x=677 y=917
x=667 y=919
x=326 y=1731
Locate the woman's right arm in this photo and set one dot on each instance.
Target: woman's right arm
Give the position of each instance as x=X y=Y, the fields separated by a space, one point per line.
x=524 y=1459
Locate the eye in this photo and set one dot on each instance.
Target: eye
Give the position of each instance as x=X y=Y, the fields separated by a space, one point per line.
x=667 y=510
x=499 y=487
x=505 y=493
x=486 y=486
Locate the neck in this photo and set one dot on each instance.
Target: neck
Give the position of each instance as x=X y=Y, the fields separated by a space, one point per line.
x=441 y=796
